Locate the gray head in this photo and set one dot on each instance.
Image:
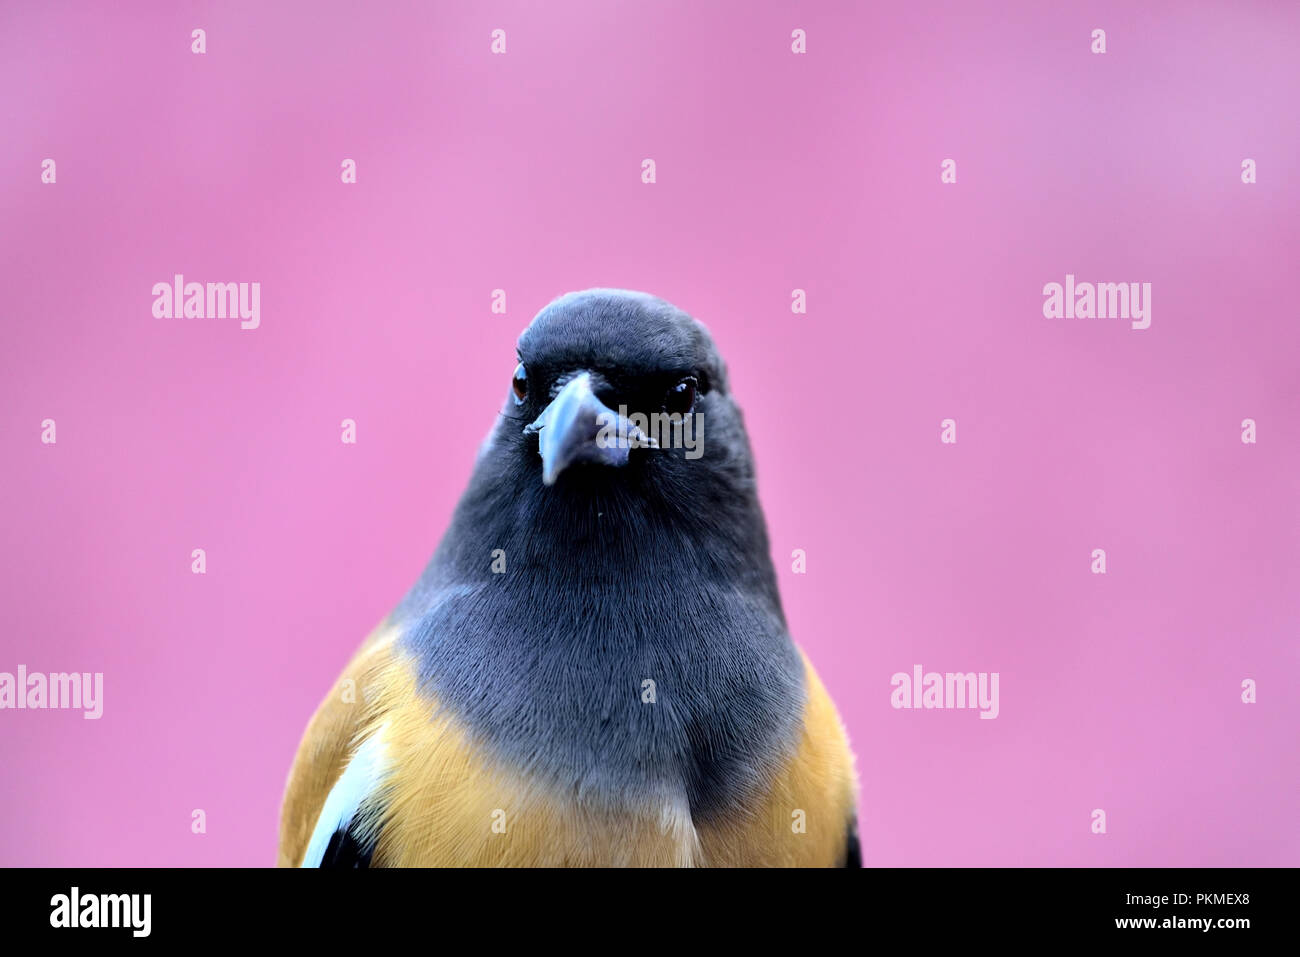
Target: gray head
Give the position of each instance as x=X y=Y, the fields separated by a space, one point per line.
x=622 y=388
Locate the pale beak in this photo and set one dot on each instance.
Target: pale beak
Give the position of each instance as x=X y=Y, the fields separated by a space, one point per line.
x=578 y=427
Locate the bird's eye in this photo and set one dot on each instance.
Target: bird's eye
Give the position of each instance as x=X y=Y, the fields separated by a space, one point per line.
x=681 y=397
x=520 y=383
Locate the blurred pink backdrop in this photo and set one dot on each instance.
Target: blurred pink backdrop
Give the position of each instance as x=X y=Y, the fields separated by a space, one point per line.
x=775 y=171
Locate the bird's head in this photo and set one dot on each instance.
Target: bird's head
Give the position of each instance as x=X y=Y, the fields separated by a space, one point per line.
x=618 y=466
x=616 y=388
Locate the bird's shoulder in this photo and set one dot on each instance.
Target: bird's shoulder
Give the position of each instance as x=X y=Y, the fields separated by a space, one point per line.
x=328 y=744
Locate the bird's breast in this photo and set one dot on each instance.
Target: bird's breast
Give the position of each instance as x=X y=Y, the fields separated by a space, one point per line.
x=616 y=703
x=455 y=795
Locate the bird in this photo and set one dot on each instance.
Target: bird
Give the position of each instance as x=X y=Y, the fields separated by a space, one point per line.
x=594 y=669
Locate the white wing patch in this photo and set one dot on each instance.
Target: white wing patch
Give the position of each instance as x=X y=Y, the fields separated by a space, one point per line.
x=359 y=781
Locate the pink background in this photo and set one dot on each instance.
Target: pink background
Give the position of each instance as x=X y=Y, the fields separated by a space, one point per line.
x=775 y=172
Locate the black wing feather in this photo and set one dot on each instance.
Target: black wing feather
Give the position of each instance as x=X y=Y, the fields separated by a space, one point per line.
x=344 y=850
x=853 y=850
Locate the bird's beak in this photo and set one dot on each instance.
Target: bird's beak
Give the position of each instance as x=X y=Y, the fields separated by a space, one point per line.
x=578 y=427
